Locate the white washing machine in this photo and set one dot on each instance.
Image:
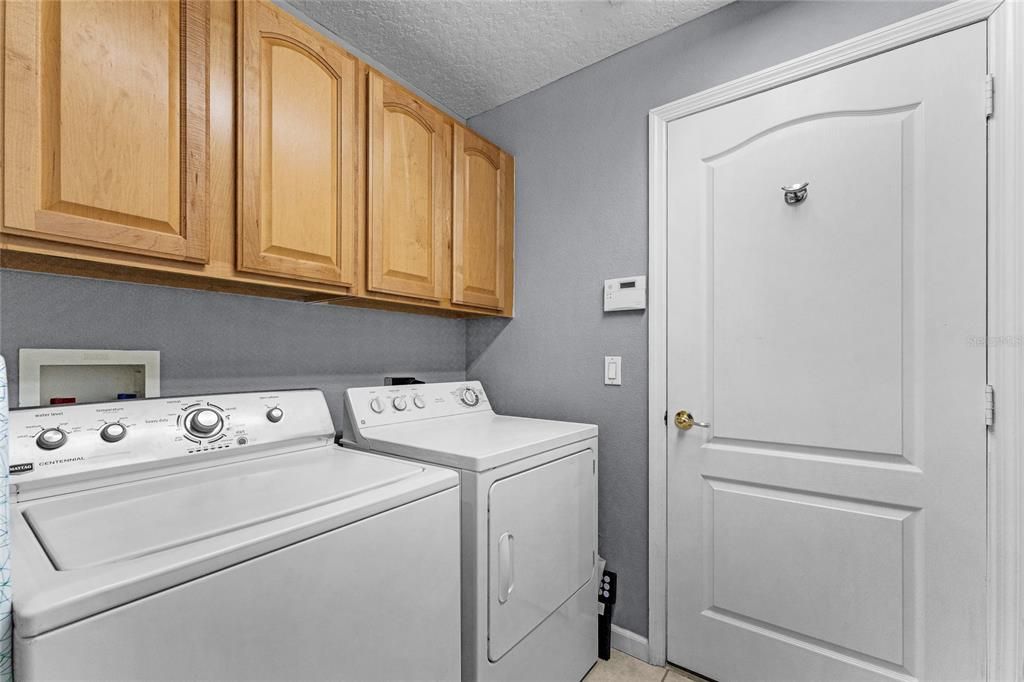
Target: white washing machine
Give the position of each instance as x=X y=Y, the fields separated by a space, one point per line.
x=529 y=522
x=226 y=537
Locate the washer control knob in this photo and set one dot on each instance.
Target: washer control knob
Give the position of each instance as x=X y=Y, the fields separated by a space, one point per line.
x=399 y=404
x=419 y=402
x=377 y=405
x=470 y=397
x=114 y=432
x=204 y=422
x=275 y=414
x=51 y=439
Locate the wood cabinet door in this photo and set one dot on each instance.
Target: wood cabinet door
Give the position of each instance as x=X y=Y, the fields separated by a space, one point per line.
x=482 y=222
x=298 y=150
x=105 y=124
x=409 y=193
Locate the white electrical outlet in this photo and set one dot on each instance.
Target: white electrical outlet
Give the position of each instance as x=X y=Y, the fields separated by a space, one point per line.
x=613 y=370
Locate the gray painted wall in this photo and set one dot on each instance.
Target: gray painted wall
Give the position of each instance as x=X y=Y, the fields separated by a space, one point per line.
x=581 y=216
x=211 y=342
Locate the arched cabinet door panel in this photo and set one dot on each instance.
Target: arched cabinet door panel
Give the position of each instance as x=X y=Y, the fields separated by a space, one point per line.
x=106 y=125
x=409 y=194
x=482 y=223
x=298 y=150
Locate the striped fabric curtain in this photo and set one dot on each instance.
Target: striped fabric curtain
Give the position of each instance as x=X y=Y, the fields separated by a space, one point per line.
x=6 y=630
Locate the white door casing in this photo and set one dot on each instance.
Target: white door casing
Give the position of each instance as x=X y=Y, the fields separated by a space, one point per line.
x=831 y=522
x=1005 y=359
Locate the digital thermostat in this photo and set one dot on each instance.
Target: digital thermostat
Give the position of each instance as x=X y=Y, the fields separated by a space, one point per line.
x=625 y=293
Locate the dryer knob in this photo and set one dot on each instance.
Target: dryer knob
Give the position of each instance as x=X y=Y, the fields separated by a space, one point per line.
x=275 y=414
x=470 y=397
x=377 y=405
x=399 y=404
x=419 y=402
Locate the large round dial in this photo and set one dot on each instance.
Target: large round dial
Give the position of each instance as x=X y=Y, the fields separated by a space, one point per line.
x=275 y=414
x=377 y=405
x=419 y=402
x=114 y=432
x=51 y=439
x=399 y=404
x=470 y=397
x=204 y=423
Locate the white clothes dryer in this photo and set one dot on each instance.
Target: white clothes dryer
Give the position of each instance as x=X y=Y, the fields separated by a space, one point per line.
x=529 y=521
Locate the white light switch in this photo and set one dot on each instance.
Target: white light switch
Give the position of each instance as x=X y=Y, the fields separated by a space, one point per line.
x=613 y=370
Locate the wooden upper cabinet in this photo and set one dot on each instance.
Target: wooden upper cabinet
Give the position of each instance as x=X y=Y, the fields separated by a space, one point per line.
x=409 y=194
x=482 y=222
x=106 y=129
x=298 y=150
x=230 y=146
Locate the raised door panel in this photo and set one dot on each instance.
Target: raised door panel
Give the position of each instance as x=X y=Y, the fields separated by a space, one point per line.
x=409 y=194
x=105 y=125
x=481 y=223
x=298 y=153
x=756 y=355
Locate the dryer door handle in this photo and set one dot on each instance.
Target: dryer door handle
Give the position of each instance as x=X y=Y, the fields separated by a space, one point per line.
x=506 y=567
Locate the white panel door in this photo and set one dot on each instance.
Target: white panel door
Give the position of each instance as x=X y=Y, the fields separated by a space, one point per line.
x=542 y=547
x=829 y=524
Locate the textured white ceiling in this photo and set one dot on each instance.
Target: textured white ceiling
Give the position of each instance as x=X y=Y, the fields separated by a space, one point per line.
x=472 y=55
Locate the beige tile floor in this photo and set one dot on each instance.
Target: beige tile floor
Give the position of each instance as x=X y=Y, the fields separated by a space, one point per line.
x=623 y=667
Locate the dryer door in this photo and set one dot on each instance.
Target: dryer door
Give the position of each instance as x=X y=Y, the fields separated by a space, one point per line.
x=542 y=545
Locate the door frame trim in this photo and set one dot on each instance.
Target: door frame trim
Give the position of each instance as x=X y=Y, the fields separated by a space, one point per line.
x=1005 y=303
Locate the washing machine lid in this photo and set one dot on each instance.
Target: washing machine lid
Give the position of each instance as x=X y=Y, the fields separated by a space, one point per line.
x=124 y=522
x=474 y=442
x=83 y=553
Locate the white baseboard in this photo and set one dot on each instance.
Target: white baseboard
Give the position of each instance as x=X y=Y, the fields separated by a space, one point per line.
x=629 y=642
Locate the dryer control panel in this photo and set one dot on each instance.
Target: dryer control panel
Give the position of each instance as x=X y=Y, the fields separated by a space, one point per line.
x=380 y=405
x=64 y=439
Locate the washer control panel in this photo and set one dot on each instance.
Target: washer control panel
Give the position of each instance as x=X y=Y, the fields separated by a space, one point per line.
x=380 y=405
x=62 y=439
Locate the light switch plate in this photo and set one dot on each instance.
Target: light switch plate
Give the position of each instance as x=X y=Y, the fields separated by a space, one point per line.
x=613 y=370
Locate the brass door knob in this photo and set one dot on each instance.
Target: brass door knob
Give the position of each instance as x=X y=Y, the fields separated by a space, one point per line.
x=685 y=421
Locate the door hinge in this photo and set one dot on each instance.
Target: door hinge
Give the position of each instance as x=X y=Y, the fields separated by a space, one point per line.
x=990 y=89
x=990 y=405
